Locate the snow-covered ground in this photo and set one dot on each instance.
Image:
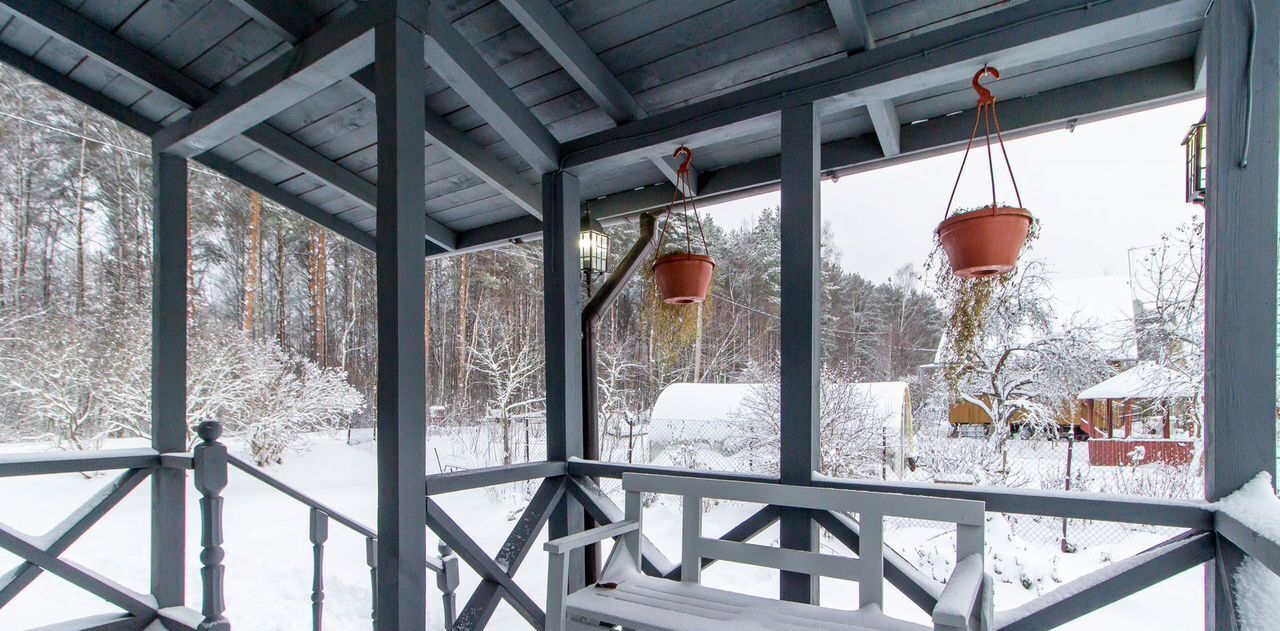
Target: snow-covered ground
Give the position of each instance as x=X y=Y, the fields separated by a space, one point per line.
x=269 y=556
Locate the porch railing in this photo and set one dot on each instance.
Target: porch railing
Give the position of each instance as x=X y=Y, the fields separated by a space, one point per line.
x=211 y=464
x=1204 y=535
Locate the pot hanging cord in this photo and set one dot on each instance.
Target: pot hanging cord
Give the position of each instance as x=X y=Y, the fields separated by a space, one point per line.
x=684 y=197
x=986 y=113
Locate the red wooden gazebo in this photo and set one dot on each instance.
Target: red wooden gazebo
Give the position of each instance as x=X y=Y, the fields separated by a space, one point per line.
x=1147 y=388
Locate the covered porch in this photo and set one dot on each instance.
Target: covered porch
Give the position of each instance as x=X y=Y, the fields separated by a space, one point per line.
x=473 y=125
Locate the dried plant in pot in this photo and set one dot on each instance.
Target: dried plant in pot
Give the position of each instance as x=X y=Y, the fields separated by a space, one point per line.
x=682 y=270
x=981 y=245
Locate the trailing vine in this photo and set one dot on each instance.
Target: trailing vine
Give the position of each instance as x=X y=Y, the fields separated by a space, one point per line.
x=968 y=302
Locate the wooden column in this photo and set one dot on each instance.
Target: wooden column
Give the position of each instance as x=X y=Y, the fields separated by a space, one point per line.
x=1240 y=290
x=801 y=333
x=402 y=400
x=168 y=373
x=562 y=312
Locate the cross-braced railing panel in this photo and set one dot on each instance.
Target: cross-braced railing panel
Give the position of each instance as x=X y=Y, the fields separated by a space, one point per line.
x=497 y=574
x=43 y=553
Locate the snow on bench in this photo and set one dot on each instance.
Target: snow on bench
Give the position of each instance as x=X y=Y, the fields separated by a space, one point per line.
x=626 y=597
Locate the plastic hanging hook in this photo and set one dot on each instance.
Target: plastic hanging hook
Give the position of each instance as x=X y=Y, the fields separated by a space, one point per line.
x=984 y=95
x=688 y=157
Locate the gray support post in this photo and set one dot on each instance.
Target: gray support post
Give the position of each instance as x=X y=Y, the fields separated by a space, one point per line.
x=1240 y=224
x=210 y=463
x=168 y=374
x=402 y=401
x=801 y=333
x=562 y=308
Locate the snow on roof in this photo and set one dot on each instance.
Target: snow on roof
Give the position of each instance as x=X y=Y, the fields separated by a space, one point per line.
x=1147 y=380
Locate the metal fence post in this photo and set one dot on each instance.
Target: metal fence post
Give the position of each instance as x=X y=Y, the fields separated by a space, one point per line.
x=210 y=459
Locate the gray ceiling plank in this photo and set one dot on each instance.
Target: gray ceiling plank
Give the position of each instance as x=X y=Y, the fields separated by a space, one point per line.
x=324 y=59
x=454 y=59
x=1072 y=104
x=554 y=34
x=1010 y=37
x=110 y=49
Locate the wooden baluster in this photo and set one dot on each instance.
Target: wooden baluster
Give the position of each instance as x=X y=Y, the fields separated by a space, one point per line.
x=319 y=534
x=447 y=581
x=210 y=460
x=371 y=558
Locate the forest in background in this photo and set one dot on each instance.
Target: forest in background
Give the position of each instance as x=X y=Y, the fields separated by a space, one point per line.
x=282 y=313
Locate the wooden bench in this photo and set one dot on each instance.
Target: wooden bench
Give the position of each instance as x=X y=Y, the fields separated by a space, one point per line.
x=647 y=603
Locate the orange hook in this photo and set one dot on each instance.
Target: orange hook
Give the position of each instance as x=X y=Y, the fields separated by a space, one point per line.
x=688 y=157
x=984 y=95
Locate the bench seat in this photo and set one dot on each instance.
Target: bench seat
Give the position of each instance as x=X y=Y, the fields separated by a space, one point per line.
x=648 y=603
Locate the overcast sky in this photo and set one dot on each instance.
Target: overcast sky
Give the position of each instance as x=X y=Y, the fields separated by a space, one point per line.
x=1098 y=191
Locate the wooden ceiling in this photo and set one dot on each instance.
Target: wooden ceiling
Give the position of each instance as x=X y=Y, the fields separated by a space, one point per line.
x=604 y=88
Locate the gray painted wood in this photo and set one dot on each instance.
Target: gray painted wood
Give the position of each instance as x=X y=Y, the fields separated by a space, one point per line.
x=466 y=72
x=801 y=328
x=210 y=458
x=318 y=533
x=920 y=588
x=168 y=374
x=22 y=464
x=1044 y=29
x=455 y=536
x=1240 y=246
x=562 y=309
x=30 y=549
x=455 y=481
x=1108 y=584
x=317 y=63
x=70 y=529
x=1248 y=540
x=401 y=412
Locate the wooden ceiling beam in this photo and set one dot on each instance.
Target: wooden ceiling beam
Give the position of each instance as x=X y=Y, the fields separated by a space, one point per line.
x=1012 y=37
x=549 y=28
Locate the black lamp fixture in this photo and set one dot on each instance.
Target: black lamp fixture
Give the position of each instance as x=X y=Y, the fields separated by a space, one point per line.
x=593 y=248
x=1196 y=144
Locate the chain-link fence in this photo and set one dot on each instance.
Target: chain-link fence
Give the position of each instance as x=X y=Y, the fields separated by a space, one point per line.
x=1041 y=464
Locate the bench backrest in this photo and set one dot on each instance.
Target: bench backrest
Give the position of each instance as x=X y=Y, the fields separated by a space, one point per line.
x=871 y=507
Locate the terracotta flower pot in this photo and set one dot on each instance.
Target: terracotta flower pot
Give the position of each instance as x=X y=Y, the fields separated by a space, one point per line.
x=683 y=279
x=984 y=242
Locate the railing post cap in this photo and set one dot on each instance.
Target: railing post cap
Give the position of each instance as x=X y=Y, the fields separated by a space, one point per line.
x=209 y=431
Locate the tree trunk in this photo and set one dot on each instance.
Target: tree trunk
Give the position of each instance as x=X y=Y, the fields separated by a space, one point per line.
x=254 y=268
x=463 y=282
x=84 y=119
x=280 y=294
x=317 y=262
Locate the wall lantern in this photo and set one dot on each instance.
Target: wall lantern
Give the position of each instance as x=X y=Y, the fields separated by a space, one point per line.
x=1197 y=161
x=593 y=247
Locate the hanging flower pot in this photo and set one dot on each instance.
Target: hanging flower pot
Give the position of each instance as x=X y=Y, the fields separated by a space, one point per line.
x=683 y=278
x=985 y=241
x=683 y=274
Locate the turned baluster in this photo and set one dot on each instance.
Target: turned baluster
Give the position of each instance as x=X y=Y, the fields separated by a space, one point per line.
x=371 y=558
x=319 y=534
x=447 y=582
x=210 y=462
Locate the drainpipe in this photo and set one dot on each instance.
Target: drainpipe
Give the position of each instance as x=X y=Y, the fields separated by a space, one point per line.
x=591 y=314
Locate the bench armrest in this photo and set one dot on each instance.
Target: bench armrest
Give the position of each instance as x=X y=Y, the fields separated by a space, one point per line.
x=955 y=606
x=588 y=537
